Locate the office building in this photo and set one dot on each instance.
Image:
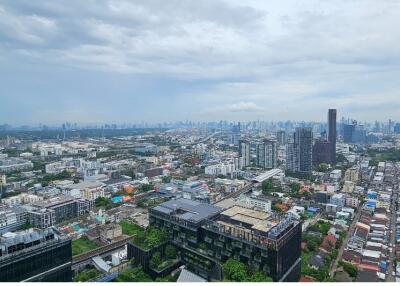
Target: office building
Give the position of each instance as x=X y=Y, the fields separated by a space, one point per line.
x=267 y=154
x=244 y=152
x=354 y=133
x=35 y=256
x=321 y=152
x=348 y=130
x=332 y=135
x=264 y=241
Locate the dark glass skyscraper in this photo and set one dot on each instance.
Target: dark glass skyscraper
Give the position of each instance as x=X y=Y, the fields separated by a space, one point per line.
x=303 y=138
x=299 y=151
x=35 y=255
x=332 y=134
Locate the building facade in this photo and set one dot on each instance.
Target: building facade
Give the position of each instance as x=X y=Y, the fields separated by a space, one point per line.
x=299 y=151
x=332 y=113
x=207 y=236
x=35 y=256
x=244 y=152
x=267 y=154
x=321 y=152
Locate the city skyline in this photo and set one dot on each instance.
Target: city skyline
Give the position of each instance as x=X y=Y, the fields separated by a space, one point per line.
x=117 y=61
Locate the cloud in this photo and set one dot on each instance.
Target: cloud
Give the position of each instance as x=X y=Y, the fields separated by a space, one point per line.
x=251 y=58
x=243 y=107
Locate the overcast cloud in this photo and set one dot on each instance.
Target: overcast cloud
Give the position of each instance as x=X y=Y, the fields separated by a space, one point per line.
x=156 y=60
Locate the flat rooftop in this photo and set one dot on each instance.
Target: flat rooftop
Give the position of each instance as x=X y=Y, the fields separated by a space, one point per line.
x=54 y=201
x=86 y=185
x=188 y=210
x=258 y=220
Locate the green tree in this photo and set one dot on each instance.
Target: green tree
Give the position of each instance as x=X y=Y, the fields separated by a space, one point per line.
x=155 y=237
x=155 y=260
x=323 y=167
x=133 y=275
x=312 y=245
x=234 y=270
x=259 y=276
x=349 y=268
x=170 y=252
x=86 y=275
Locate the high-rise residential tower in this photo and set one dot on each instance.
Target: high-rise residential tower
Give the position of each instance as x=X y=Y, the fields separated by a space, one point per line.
x=244 y=152
x=267 y=154
x=299 y=151
x=332 y=135
x=281 y=137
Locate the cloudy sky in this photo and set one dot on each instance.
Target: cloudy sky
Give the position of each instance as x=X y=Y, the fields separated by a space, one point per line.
x=156 y=60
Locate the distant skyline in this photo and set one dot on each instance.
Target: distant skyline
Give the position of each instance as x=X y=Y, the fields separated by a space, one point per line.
x=160 y=61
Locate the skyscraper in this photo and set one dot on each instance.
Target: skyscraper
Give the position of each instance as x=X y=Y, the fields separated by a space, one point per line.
x=235 y=136
x=304 y=139
x=244 y=152
x=299 y=151
x=321 y=152
x=281 y=137
x=332 y=135
x=267 y=154
x=348 y=130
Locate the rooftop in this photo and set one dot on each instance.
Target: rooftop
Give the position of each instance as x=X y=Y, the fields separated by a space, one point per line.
x=86 y=185
x=188 y=210
x=54 y=201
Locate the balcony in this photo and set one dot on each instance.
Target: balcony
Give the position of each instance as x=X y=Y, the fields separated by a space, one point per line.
x=210 y=252
x=208 y=239
x=264 y=254
x=218 y=243
x=176 y=227
x=245 y=254
x=237 y=244
x=218 y=256
x=226 y=253
x=192 y=239
x=221 y=238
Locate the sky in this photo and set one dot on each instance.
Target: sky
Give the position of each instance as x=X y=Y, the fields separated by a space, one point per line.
x=206 y=60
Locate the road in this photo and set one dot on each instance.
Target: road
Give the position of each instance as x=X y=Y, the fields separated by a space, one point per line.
x=345 y=241
x=392 y=241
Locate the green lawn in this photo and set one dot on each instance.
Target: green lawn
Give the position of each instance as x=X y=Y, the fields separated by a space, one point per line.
x=130 y=228
x=87 y=275
x=82 y=245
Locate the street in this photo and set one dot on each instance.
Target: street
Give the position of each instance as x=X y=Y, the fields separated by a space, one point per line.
x=345 y=241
